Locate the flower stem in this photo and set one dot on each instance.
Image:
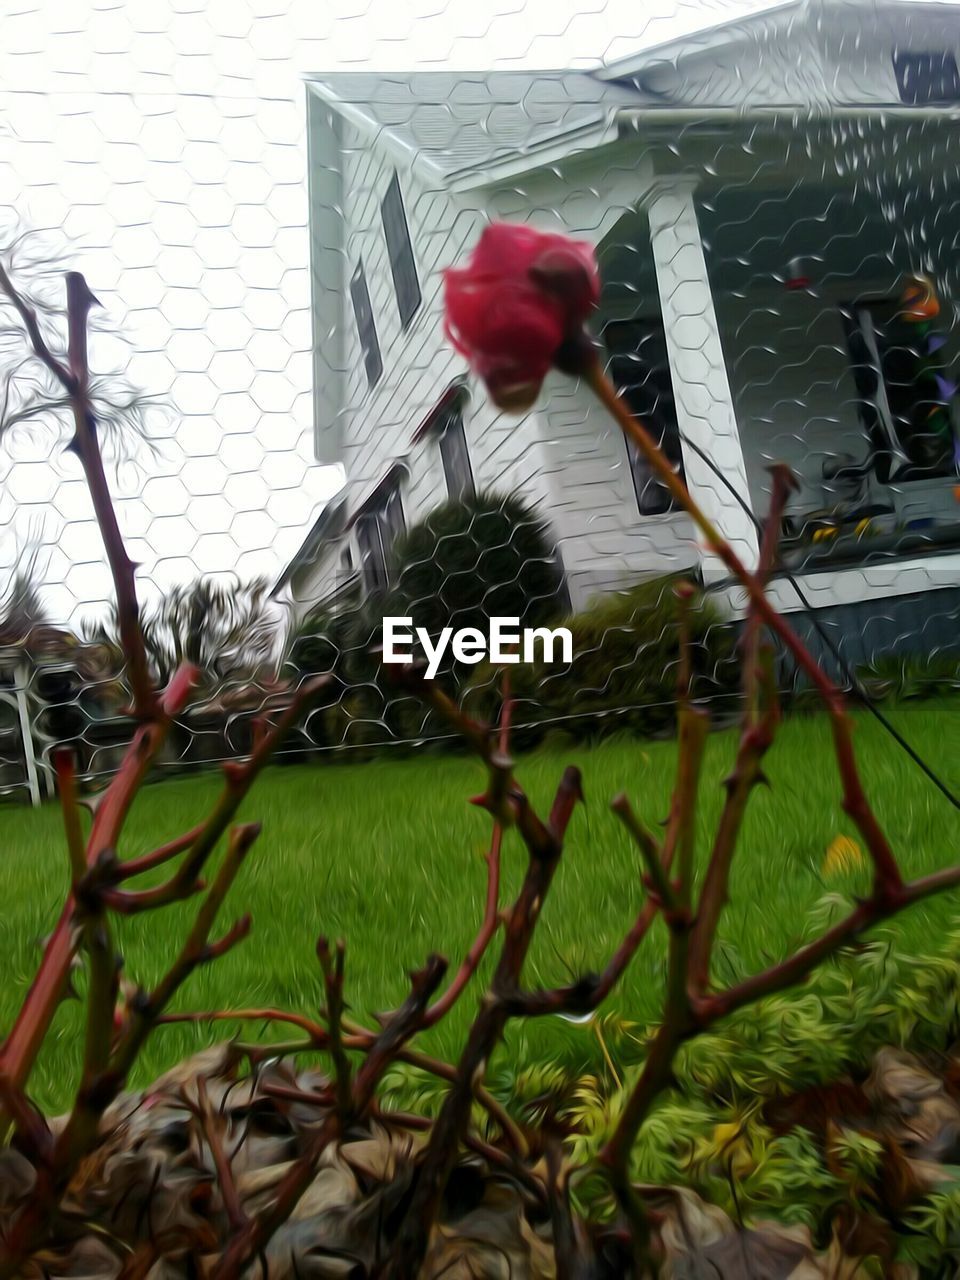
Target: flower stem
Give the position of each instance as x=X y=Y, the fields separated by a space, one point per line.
x=887 y=874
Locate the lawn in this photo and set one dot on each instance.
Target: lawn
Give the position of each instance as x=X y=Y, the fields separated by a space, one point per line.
x=388 y=856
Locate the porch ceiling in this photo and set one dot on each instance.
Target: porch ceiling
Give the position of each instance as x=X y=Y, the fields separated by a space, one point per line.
x=750 y=235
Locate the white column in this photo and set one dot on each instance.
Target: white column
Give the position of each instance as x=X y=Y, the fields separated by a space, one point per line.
x=22 y=684
x=705 y=412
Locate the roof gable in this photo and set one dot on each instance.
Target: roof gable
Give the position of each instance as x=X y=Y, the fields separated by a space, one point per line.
x=458 y=121
x=796 y=54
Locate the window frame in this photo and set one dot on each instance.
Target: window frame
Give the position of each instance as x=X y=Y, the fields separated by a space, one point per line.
x=452 y=429
x=917 y=72
x=366 y=325
x=889 y=454
x=379 y=527
x=653 y=497
x=403 y=262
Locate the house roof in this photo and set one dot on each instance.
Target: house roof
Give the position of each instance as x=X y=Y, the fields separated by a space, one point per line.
x=623 y=70
x=469 y=124
x=328 y=525
x=462 y=120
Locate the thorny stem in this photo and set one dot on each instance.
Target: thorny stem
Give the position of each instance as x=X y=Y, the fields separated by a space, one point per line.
x=680 y=836
x=687 y=1010
x=87 y=448
x=652 y=854
x=164 y=853
x=196 y=950
x=796 y=967
x=332 y=966
x=46 y=991
x=760 y=720
x=74 y=377
x=360 y=1038
x=36 y=1013
x=225 y=1179
x=854 y=800
x=99 y=1088
x=404 y=1023
x=545 y=846
x=491 y=915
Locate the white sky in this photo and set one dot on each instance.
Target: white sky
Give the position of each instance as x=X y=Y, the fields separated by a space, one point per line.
x=166 y=139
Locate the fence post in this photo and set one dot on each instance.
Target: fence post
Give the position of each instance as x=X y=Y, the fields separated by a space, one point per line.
x=21 y=683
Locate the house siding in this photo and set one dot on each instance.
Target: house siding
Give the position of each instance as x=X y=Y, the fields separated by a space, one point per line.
x=604 y=541
x=506 y=453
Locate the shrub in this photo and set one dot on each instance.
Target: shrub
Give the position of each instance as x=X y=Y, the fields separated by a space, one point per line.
x=468 y=561
x=624 y=669
x=907 y=677
x=477 y=558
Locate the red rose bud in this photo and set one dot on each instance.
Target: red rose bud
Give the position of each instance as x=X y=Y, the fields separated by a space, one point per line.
x=522 y=296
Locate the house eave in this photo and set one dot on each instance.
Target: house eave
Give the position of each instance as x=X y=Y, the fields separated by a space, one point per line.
x=539 y=156
x=322 y=528
x=400 y=152
x=714 y=36
x=624 y=121
x=632 y=118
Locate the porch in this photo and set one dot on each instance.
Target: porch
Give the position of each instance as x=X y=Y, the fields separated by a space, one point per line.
x=750 y=323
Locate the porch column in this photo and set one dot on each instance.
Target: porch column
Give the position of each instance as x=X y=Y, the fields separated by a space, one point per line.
x=21 y=685
x=701 y=389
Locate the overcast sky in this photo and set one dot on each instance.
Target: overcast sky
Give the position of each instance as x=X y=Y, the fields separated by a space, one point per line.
x=165 y=140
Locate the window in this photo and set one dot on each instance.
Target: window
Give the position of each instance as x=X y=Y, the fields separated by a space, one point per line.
x=402 y=264
x=903 y=407
x=926 y=77
x=366 y=327
x=641 y=372
x=452 y=440
x=377 y=532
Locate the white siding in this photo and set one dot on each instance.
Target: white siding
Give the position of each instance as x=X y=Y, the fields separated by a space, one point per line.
x=506 y=453
x=419 y=362
x=604 y=541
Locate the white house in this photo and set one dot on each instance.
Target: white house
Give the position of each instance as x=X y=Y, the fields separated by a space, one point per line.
x=759 y=194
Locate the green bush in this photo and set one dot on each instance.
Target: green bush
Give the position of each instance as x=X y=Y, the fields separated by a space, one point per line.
x=340 y=640
x=485 y=556
x=908 y=677
x=481 y=557
x=624 y=669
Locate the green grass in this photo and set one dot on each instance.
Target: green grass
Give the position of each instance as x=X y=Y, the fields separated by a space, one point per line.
x=388 y=855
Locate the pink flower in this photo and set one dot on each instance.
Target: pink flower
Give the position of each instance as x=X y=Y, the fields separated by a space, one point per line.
x=519 y=299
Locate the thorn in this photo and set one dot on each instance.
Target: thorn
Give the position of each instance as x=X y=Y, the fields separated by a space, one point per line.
x=92 y=802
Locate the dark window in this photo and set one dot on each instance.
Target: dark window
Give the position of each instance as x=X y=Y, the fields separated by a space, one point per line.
x=641 y=371
x=926 y=77
x=402 y=264
x=377 y=532
x=904 y=406
x=366 y=326
x=455 y=457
